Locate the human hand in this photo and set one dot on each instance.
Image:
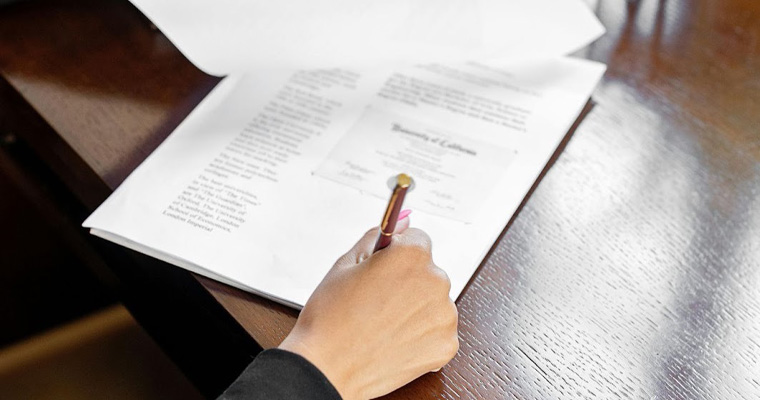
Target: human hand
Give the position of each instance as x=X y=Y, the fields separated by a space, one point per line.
x=378 y=321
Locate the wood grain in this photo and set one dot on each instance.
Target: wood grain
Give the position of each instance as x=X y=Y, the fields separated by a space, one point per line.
x=632 y=271
x=112 y=87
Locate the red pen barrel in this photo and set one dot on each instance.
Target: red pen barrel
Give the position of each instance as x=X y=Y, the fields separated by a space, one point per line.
x=390 y=218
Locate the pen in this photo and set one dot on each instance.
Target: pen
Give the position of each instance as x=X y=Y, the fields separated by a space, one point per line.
x=388 y=224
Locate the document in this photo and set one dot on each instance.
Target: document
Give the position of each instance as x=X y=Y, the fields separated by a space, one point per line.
x=452 y=171
x=225 y=37
x=274 y=176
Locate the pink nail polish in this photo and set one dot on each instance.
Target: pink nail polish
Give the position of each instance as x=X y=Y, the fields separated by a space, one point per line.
x=403 y=214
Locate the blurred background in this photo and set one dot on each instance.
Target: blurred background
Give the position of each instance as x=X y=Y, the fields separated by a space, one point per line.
x=64 y=335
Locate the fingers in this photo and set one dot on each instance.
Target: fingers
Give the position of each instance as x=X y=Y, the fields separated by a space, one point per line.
x=401 y=225
x=363 y=248
x=414 y=237
x=449 y=346
x=401 y=234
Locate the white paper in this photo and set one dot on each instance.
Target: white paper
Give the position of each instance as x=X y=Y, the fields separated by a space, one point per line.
x=230 y=36
x=232 y=193
x=452 y=172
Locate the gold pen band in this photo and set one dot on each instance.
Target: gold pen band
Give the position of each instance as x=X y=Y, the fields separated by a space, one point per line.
x=390 y=217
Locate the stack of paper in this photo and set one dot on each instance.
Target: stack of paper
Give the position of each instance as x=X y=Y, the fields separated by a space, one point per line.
x=281 y=169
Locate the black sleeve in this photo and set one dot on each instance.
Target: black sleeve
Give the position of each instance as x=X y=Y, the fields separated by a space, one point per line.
x=279 y=374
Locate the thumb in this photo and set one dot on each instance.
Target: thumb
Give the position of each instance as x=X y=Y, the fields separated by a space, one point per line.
x=361 y=250
x=402 y=224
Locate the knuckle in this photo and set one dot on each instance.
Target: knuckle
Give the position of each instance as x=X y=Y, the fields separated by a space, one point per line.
x=440 y=280
x=442 y=276
x=345 y=259
x=447 y=317
x=453 y=347
x=423 y=236
x=449 y=350
x=350 y=259
x=450 y=321
x=418 y=237
x=453 y=314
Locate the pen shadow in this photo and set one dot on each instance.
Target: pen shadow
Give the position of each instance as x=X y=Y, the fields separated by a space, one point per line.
x=590 y=104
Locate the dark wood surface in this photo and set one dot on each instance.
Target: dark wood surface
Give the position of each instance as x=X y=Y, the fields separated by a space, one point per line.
x=92 y=90
x=46 y=273
x=631 y=271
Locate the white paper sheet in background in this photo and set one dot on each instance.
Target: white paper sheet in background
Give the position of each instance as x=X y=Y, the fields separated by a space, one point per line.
x=228 y=36
x=231 y=193
x=453 y=173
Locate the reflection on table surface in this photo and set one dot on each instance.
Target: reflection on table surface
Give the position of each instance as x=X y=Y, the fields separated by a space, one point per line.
x=633 y=269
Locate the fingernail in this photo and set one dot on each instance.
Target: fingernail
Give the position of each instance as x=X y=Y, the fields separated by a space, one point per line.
x=403 y=214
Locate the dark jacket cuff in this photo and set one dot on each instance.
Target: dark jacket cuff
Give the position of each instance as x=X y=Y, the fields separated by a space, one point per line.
x=279 y=374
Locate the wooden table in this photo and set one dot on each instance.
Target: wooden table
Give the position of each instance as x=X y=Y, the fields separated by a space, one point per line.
x=631 y=271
